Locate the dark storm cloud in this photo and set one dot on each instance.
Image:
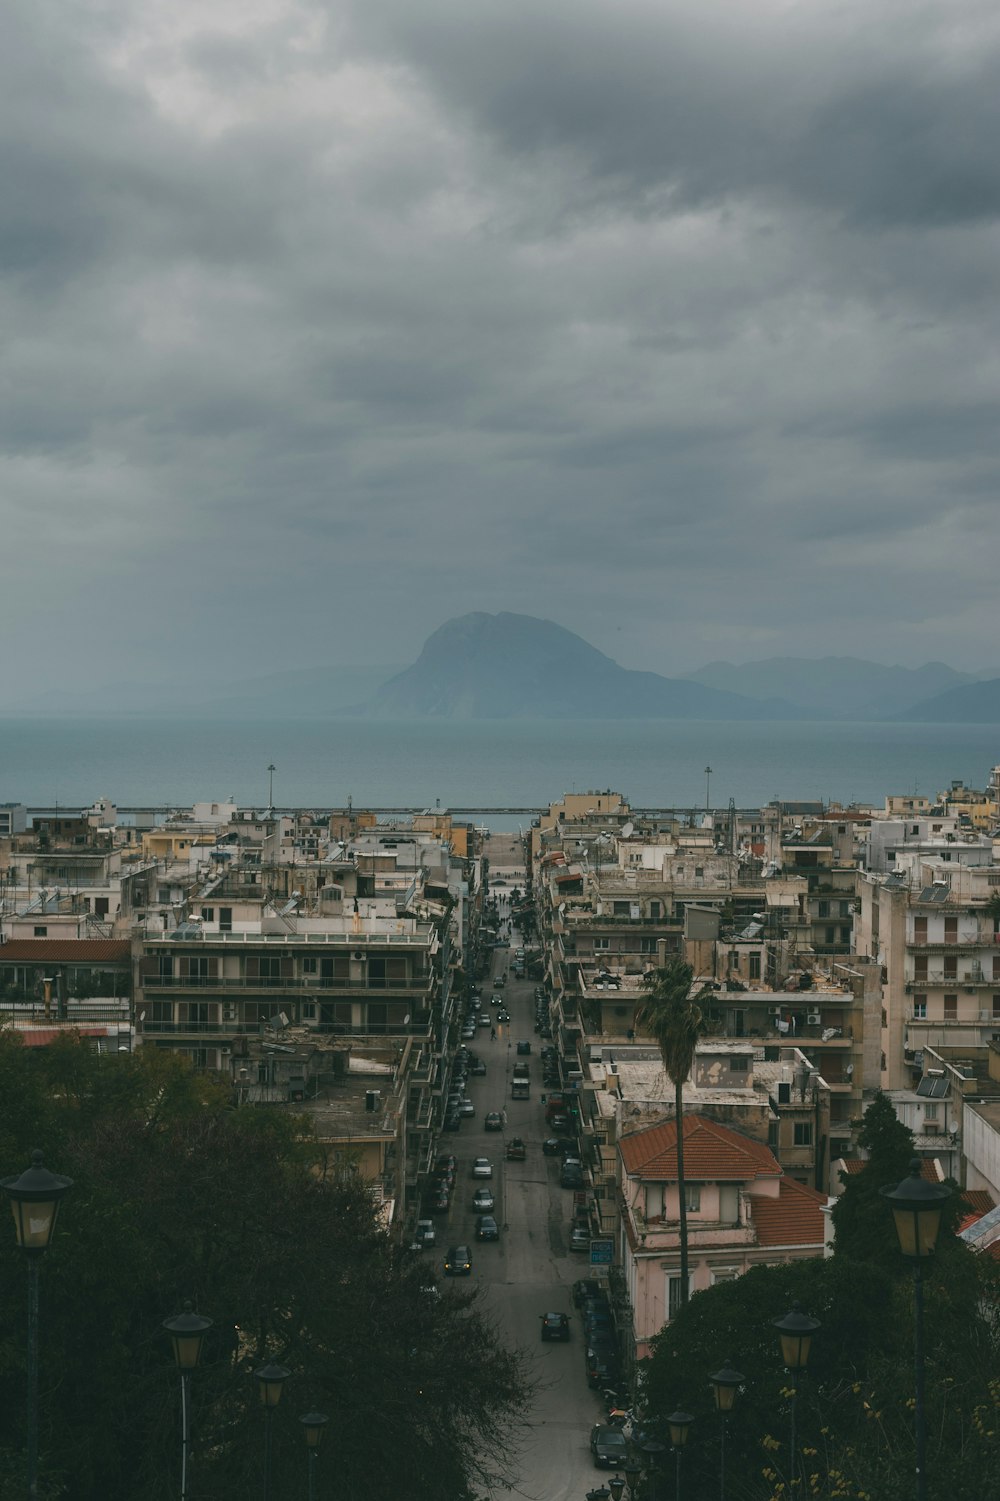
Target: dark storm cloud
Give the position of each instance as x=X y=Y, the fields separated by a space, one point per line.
x=623 y=314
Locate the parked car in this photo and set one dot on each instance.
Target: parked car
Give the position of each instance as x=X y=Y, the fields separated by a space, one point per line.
x=524 y=1047
x=478 y=1068
x=424 y=1235
x=487 y=1228
x=452 y=1121
x=601 y=1363
x=515 y=1151
x=482 y=1168
x=570 y=1177
x=446 y=1160
x=468 y=1032
x=588 y=1287
x=608 y=1447
x=458 y=1262
x=482 y=1201
x=466 y=1107
x=438 y=1202
x=579 y=1239
x=555 y=1326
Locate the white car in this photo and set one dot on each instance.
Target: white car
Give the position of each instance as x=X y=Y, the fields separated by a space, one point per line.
x=466 y=1107
x=482 y=1168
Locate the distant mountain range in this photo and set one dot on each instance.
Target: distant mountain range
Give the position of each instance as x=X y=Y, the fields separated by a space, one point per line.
x=507 y=666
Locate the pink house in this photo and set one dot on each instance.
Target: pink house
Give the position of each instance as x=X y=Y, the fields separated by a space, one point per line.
x=741 y=1210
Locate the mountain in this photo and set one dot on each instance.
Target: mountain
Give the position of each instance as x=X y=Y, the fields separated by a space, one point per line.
x=839 y=687
x=507 y=666
x=973 y=703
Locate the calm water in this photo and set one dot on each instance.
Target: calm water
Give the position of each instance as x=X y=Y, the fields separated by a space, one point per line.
x=504 y=763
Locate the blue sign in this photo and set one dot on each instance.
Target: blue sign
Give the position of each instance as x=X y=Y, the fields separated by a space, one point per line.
x=601 y=1252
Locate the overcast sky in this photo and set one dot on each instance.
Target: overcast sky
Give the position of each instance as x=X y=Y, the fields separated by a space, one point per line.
x=675 y=323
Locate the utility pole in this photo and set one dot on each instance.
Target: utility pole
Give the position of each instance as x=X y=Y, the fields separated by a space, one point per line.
x=708 y=789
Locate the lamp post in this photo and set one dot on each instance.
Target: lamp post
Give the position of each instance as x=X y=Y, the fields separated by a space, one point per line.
x=616 y=1484
x=653 y=1452
x=270 y=787
x=795 y=1330
x=270 y=1380
x=187 y=1332
x=313 y=1428
x=35 y=1197
x=679 y=1424
x=725 y=1384
x=916 y=1208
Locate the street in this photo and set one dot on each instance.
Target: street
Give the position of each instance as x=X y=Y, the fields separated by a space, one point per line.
x=531 y=1270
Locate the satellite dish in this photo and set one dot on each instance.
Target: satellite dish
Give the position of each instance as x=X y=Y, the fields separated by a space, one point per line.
x=628 y=830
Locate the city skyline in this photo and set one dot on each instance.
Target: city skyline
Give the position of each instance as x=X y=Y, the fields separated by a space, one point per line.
x=674 y=324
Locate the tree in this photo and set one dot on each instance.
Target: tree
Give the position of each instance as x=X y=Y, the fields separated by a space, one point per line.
x=863 y=1230
x=179 y=1197
x=675 y=1020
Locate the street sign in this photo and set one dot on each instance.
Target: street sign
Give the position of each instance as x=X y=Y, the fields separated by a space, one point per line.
x=601 y=1252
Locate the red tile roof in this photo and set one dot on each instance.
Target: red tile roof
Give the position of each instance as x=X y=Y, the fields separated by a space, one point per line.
x=928 y=1170
x=65 y=951
x=794 y=1218
x=978 y=1200
x=40 y=1037
x=712 y=1153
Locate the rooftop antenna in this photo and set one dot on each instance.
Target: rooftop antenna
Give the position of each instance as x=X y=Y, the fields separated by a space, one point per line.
x=708 y=789
x=270 y=787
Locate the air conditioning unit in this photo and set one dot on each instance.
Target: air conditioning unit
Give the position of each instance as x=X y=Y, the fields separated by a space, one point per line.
x=813 y=1018
x=776 y=1012
x=359 y=953
x=225 y=1052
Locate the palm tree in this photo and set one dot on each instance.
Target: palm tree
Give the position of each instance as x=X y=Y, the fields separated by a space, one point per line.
x=674 y=1018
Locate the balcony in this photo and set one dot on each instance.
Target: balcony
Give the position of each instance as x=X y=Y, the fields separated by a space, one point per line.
x=300 y=983
x=416 y=1027
x=974 y=975
x=968 y=939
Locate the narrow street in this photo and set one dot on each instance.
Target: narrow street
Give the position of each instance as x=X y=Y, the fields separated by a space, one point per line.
x=531 y=1270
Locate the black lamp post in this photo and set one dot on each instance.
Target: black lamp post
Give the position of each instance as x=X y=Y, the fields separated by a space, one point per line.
x=616 y=1484
x=679 y=1424
x=652 y=1451
x=313 y=1428
x=725 y=1384
x=795 y=1330
x=35 y=1197
x=187 y=1332
x=633 y=1474
x=270 y=1380
x=916 y=1208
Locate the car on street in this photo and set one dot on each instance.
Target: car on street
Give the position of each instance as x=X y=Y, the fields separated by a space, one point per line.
x=487 y=1228
x=579 y=1239
x=515 y=1150
x=524 y=1047
x=468 y=1032
x=478 y=1068
x=458 y=1262
x=424 y=1235
x=466 y=1107
x=502 y=1016
x=438 y=1202
x=570 y=1177
x=483 y=1019
x=601 y=1364
x=445 y=1162
x=452 y=1121
x=482 y=1168
x=608 y=1447
x=555 y=1326
x=557 y=1146
x=482 y=1201
x=499 y=982
x=588 y=1287
x=493 y=1121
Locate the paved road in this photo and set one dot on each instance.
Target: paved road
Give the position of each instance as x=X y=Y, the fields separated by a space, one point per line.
x=531 y=1270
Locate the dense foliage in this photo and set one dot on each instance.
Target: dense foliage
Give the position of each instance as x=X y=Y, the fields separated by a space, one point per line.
x=854 y=1404
x=179 y=1197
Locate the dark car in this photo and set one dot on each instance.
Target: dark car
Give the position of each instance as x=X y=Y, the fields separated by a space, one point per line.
x=458 y=1262
x=515 y=1151
x=447 y=1161
x=482 y=1200
x=602 y=1363
x=452 y=1122
x=555 y=1326
x=571 y=1177
x=438 y=1202
x=552 y=1146
x=588 y=1287
x=502 y=1016
x=493 y=1121
x=487 y=1228
x=478 y=1068
x=608 y=1447
x=524 y=1047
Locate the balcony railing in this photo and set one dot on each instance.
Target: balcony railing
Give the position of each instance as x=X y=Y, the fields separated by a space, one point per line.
x=417 y=1026
x=973 y=976
x=284 y=982
x=969 y=939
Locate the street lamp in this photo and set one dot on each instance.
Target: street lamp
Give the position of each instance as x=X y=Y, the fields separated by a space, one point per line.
x=313 y=1427
x=679 y=1424
x=916 y=1208
x=616 y=1484
x=270 y=1380
x=187 y=1332
x=795 y=1331
x=35 y=1197
x=633 y=1474
x=653 y=1452
x=725 y=1384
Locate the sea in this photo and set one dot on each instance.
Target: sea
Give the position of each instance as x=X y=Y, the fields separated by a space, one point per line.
x=470 y=766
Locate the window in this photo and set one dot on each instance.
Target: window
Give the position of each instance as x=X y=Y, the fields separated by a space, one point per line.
x=654 y=1201
x=620 y=909
x=309 y=1011
x=163 y=894
x=845 y=935
x=602 y=943
x=739 y=1063
x=674 y=1285
x=655 y=909
x=208 y=914
x=309 y=964
x=699 y=870
x=803 y=1134
x=951 y=966
x=931 y=1111
x=755 y=966
x=951 y=930
x=692 y=1197
x=920 y=966
x=919 y=1008
x=951 y=1008
x=845 y=909
x=996 y=1007
x=647 y=945
x=824 y=909
x=724 y=1274
x=41 y=932
x=225 y=919
x=734 y=959
x=160 y=1012
x=829 y=936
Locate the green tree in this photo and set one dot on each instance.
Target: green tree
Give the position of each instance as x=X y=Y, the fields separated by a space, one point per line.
x=674 y=1018
x=863 y=1229
x=179 y=1197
